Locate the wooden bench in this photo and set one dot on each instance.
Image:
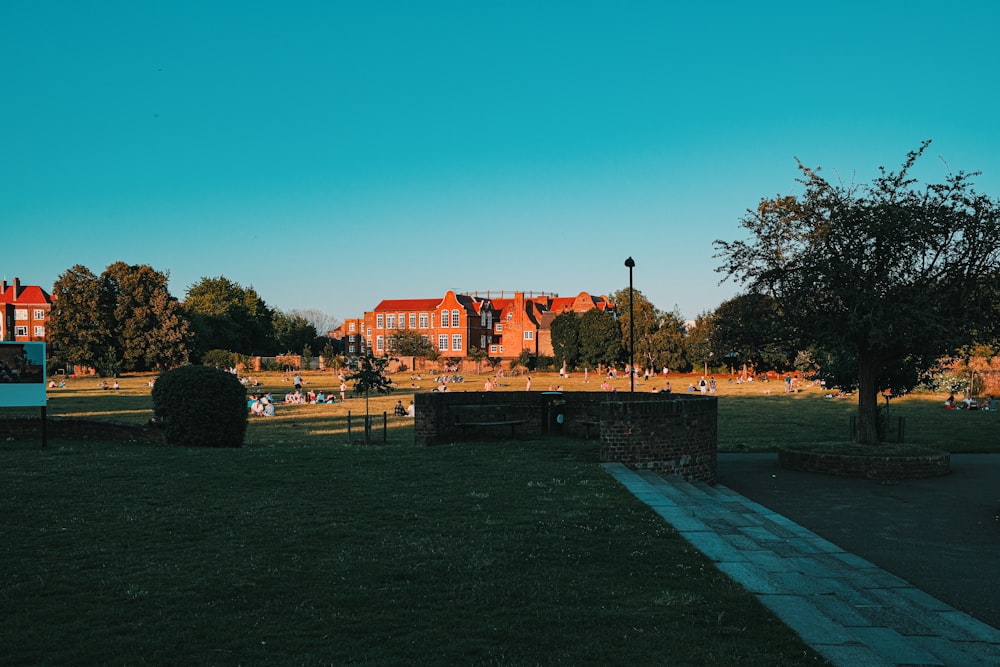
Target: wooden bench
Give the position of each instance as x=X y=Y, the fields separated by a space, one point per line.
x=485 y=416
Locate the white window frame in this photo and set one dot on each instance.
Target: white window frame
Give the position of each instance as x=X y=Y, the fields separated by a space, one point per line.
x=456 y=342
x=380 y=343
x=493 y=349
x=401 y=321
x=424 y=319
x=20 y=314
x=39 y=331
x=456 y=319
x=390 y=321
x=445 y=315
x=20 y=330
x=413 y=321
x=499 y=327
x=442 y=342
x=39 y=314
x=529 y=334
x=350 y=327
x=380 y=321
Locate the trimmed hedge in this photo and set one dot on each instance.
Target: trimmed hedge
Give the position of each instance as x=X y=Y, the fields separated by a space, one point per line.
x=199 y=406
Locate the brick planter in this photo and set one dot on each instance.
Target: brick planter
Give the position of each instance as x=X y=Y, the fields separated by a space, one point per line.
x=931 y=464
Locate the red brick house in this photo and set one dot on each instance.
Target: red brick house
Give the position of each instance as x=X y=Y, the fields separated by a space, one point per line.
x=25 y=311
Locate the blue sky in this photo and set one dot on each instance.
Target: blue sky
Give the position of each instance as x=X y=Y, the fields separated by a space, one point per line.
x=332 y=154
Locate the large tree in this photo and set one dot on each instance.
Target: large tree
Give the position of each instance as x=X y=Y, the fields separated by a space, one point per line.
x=78 y=330
x=669 y=342
x=748 y=330
x=150 y=331
x=889 y=274
x=292 y=331
x=566 y=339
x=633 y=304
x=228 y=316
x=600 y=338
x=123 y=319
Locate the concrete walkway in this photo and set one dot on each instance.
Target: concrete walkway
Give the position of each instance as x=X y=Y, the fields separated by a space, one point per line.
x=849 y=610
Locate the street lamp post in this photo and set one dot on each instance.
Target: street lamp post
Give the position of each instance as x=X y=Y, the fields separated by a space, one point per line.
x=630 y=263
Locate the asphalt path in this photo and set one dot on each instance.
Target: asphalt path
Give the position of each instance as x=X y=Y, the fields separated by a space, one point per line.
x=941 y=534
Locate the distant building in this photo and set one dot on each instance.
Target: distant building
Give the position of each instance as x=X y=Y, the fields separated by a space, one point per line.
x=26 y=310
x=454 y=324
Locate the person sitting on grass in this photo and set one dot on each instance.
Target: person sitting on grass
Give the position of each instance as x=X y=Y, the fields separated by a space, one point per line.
x=399 y=410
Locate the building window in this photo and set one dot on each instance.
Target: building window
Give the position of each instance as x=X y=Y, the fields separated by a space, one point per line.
x=499 y=327
x=456 y=341
x=413 y=320
x=379 y=343
x=350 y=349
x=350 y=327
x=501 y=349
x=379 y=322
x=443 y=342
x=510 y=315
x=20 y=331
x=482 y=342
x=423 y=320
x=351 y=338
x=21 y=314
x=390 y=322
x=402 y=320
x=529 y=335
x=424 y=338
x=369 y=333
x=493 y=349
x=39 y=314
x=455 y=320
x=39 y=331
x=444 y=318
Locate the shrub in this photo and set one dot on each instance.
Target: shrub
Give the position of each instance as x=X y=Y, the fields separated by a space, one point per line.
x=199 y=406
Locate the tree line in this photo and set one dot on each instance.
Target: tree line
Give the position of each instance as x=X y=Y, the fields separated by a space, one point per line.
x=125 y=319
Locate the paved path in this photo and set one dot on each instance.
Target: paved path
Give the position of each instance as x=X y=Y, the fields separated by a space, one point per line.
x=850 y=610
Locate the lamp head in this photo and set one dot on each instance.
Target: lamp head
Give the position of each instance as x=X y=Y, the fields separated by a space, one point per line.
x=630 y=263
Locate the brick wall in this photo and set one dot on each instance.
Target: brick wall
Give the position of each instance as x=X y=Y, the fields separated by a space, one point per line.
x=65 y=428
x=676 y=435
x=665 y=433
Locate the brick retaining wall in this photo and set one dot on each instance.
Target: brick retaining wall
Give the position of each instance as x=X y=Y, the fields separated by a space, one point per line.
x=665 y=433
x=68 y=428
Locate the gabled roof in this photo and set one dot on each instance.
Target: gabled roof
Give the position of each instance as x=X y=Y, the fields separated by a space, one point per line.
x=30 y=295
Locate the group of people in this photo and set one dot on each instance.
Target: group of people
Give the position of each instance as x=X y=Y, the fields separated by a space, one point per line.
x=969 y=403
x=261 y=406
x=299 y=397
x=400 y=411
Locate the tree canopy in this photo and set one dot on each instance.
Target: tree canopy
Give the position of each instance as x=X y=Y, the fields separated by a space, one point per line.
x=888 y=274
x=123 y=319
x=228 y=316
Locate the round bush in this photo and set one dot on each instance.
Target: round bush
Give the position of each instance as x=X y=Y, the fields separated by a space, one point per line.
x=199 y=406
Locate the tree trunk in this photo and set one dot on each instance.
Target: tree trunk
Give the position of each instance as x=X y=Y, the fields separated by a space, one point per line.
x=867 y=401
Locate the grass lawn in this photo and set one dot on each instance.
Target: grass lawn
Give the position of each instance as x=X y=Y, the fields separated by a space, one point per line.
x=301 y=548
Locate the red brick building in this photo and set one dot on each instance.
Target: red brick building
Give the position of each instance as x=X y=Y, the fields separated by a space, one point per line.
x=503 y=327
x=25 y=311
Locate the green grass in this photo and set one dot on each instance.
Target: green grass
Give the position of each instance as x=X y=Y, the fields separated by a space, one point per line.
x=301 y=548
x=509 y=554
